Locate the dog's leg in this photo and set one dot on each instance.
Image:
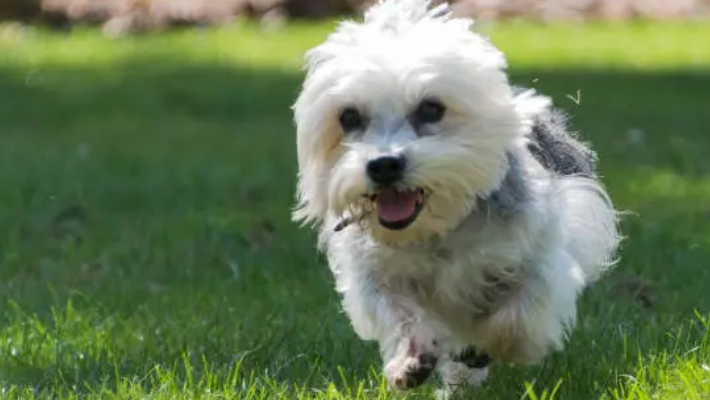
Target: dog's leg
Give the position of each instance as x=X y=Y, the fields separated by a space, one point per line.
x=536 y=319
x=410 y=361
x=472 y=358
x=407 y=343
x=467 y=368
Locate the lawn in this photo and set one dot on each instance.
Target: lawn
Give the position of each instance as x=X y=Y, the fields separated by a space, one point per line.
x=146 y=247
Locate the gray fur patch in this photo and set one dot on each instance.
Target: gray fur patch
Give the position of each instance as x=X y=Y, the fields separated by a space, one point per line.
x=558 y=149
x=510 y=197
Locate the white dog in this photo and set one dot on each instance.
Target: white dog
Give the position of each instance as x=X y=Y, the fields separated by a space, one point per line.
x=459 y=216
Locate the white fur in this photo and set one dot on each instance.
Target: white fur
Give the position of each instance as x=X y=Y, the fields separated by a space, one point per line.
x=423 y=288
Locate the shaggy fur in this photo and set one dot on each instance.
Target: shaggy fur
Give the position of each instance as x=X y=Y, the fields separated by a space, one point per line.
x=512 y=222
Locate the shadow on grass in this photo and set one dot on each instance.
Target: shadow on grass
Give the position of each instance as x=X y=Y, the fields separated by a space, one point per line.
x=185 y=176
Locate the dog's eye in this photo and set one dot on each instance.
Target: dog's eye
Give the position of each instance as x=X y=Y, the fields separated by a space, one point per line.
x=351 y=119
x=429 y=112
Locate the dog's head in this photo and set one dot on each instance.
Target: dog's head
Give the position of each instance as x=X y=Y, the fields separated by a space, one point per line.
x=403 y=121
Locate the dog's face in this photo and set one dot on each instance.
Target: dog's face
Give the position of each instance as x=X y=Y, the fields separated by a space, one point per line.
x=403 y=121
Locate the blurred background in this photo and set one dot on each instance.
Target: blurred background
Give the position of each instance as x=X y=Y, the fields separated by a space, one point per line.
x=147 y=172
x=123 y=16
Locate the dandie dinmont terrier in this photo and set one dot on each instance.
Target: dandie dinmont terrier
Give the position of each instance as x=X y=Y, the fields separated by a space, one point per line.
x=460 y=217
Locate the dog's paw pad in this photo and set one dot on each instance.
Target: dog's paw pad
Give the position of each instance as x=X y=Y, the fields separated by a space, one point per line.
x=410 y=372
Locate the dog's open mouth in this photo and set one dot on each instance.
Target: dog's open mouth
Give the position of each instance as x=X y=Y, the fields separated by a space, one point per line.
x=398 y=208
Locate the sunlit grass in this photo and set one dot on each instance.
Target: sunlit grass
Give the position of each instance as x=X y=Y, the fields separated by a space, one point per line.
x=640 y=46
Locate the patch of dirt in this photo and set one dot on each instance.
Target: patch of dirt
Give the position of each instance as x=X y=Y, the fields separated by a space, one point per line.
x=636 y=289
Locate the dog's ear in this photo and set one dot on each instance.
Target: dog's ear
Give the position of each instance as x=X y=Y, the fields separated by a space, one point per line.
x=528 y=104
x=311 y=204
x=310 y=119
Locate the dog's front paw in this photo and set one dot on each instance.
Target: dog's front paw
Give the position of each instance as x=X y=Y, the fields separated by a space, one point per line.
x=472 y=358
x=410 y=371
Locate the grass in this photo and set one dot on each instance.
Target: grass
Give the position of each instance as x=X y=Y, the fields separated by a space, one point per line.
x=146 y=249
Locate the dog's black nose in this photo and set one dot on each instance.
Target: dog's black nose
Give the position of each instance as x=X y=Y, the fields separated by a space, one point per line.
x=386 y=170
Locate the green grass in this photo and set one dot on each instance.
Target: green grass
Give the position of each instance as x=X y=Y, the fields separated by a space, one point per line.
x=146 y=249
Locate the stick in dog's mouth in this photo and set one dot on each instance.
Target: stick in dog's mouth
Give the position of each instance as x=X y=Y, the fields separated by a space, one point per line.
x=396 y=208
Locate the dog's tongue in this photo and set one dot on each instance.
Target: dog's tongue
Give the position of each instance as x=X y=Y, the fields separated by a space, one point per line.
x=395 y=206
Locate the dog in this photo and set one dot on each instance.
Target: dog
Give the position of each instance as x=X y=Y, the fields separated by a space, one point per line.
x=460 y=216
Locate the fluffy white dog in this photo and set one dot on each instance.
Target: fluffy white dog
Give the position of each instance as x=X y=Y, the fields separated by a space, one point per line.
x=459 y=216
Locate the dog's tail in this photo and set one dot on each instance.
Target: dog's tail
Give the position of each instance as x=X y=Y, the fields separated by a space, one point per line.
x=590 y=227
